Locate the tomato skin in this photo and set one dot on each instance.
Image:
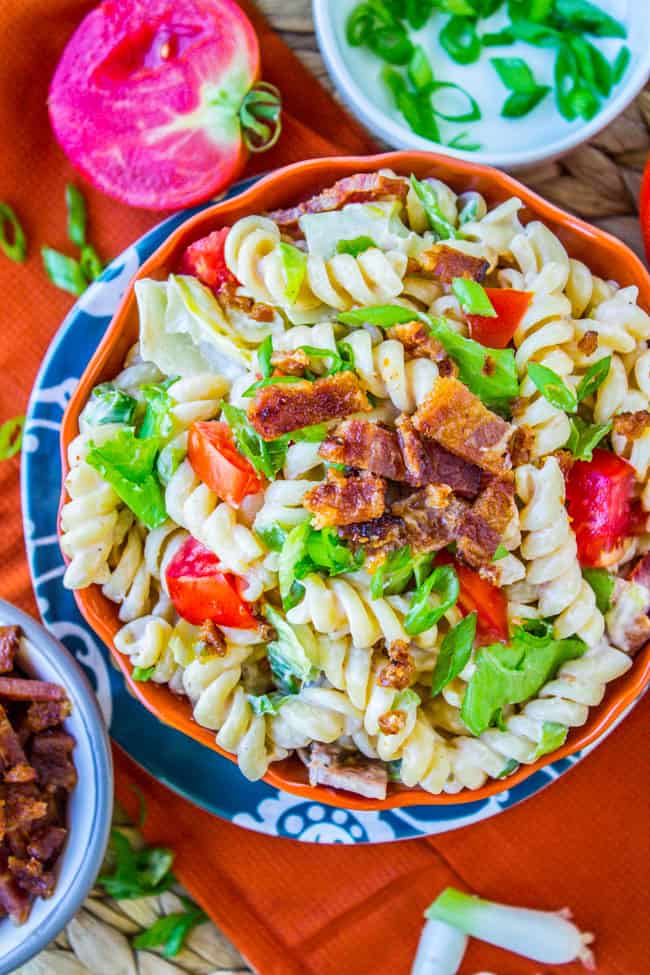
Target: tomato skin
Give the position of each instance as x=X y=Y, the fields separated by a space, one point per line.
x=645 y=209
x=477 y=594
x=200 y=591
x=205 y=259
x=599 y=502
x=216 y=461
x=510 y=306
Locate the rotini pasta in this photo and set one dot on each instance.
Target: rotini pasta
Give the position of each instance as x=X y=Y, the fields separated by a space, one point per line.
x=362 y=492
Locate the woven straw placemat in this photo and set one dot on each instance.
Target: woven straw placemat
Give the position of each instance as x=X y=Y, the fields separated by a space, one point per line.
x=599 y=181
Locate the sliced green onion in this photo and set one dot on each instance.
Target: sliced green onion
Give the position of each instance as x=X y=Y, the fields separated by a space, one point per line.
x=271 y=381
x=381 y=316
x=440 y=950
x=90 y=262
x=455 y=651
x=602 y=582
x=415 y=107
x=584 y=437
x=355 y=246
x=64 y=271
x=264 y=354
x=437 y=221
x=11 y=437
x=593 y=379
x=545 y=936
x=585 y=16
x=420 y=72
x=294 y=266
x=502 y=38
x=620 y=65
x=12 y=236
x=422 y=614
x=76 y=215
x=143 y=674
x=460 y=40
x=515 y=74
x=391 y=44
x=473 y=298
x=471 y=114
x=461 y=141
x=566 y=81
x=552 y=387
x=500 y=553
x=521 y=103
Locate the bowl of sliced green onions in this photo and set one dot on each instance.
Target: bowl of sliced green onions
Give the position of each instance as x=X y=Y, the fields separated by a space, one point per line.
x=504 y=82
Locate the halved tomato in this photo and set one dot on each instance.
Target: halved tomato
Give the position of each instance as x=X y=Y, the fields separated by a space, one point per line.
x=510 y=306
x=599 y=502
x=480 y=596
x=216 y=461
x=201 y=591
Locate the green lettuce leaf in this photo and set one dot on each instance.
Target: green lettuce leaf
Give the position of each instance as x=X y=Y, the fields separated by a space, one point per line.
x=127 y=463
x=293 y=655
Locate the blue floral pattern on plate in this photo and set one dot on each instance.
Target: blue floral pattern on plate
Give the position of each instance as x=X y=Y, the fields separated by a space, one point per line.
x=185 y=766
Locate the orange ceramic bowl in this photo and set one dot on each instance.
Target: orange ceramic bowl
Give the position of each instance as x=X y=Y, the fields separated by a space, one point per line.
x=607 y=257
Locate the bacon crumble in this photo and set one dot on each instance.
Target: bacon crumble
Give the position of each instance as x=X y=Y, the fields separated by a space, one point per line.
x=400 y=670
x=342 y=500
x=428 y=463
x=446 y=263
x=360 y=188
x=485 y=523
x=417 y=341
x=282 y=408
x=9 y=646
x=392 y=722
x=631 y=425
x=365 y=445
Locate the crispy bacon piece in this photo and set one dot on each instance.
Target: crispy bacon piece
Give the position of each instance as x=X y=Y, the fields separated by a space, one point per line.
x=9 y=647
x=31 y=877
x=457 y=420
x=342 y=768
x=392 y=722
x=521 y=445
x=212 y=640
x=51 y=753
x=432 y=518
x=45 y=714
x=281 y=408
x=290 y=363
x=23 y=805
x=631 y=425
x=417 y=341
x=46 y=843
x=25 y=689
x=589 y=342
x=359 y=188
x=229 y=297
x=446 y=263
x=428 y=463
x=485 y=523
x=342 y=500
x=379 y=536
x=400 y=669
x=13 y=761
x=14 y=901
x=565 y=459
x=365 y=445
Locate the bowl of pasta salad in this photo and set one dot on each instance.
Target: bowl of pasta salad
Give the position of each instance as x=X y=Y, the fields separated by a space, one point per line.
x=355 y=486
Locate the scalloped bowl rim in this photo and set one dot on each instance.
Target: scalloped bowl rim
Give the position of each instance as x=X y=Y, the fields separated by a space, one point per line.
x=285 y=187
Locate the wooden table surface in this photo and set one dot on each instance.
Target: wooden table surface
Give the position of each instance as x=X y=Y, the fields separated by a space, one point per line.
x=600 y=181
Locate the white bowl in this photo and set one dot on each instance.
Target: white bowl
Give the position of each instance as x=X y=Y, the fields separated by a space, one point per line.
x=90 y=804
x=508 y=144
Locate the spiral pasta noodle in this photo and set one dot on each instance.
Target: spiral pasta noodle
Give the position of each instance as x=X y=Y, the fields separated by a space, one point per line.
x=385 y=371
x=549 y=547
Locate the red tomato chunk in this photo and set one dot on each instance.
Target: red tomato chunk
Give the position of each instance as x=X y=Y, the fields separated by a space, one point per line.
x=217 y=462
x=599 y=502
x=201 y=591
x=205 y=259
x=510 y=307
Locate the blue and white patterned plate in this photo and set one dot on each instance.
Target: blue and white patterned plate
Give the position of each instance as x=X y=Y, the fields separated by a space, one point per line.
x=185 y=766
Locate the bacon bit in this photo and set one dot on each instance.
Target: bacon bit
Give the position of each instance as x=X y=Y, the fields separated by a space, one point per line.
x=392 y=722
x=427 y=463
x=341 y=768
x=365 y=445
x=360 y=188
x=446 y=263
x=46 y=843
x=432 y=520
x=23 y=805
x=46 y=714
x=417 y=341
x=23 y=689
x=344 y=500
x=31 y=877
x=281 y=408
x=588 y=343
x=399 y=672
x=458 y=420
x=379 y=536
x=50 y=755
x=485 y=523
x=211 y=640
x=13 y=761
x=631 y=425
x=448 y=369
x=229 y=297
x=9 y=647
x=522 y=443
x=13 y=900
x=290 y=363
x=489 y=366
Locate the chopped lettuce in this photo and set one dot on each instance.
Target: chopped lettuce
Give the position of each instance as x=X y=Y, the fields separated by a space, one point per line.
x=293 y=655
x=267 y=703
x=158 y=422
x=513 y=673
x=602 y=582
x=127 y=463
x=184 y=331
x=307 y=550
x=405 y=700
x=553 y=736
x=422 y=613
x=294 y=267
x=455 y=651
x=378 y=222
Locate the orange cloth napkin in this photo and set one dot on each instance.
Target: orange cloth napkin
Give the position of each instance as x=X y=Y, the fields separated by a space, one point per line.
x=298 y=909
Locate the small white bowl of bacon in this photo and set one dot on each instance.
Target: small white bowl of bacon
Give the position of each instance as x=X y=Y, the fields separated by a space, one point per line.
x=56 y=787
